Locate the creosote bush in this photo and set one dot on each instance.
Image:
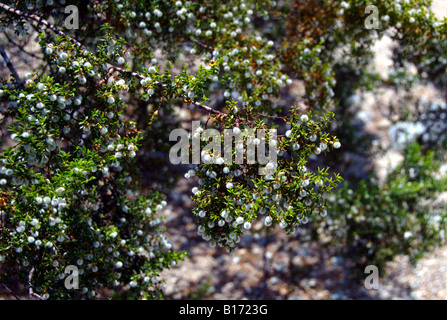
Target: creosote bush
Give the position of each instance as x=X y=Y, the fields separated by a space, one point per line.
x=84 y=175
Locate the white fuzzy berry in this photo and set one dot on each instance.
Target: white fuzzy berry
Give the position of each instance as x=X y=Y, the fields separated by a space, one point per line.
x=152 y=69
x=224 y=214
x=110 y=100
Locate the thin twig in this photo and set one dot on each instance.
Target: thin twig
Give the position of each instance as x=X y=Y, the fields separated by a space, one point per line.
x=200 y=44
x=30 y=285
x=11 y=67
x=20 y=47
x=9 y=291
x=41 y=21
x=284 y=118
x=211 y=110
x=129 y=72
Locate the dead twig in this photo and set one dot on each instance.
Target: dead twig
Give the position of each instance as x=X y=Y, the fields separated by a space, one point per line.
x=30 y=285
x=11 y=67
x=9 y=291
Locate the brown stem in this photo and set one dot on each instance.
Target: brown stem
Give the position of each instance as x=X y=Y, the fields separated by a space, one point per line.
x=206 y=108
